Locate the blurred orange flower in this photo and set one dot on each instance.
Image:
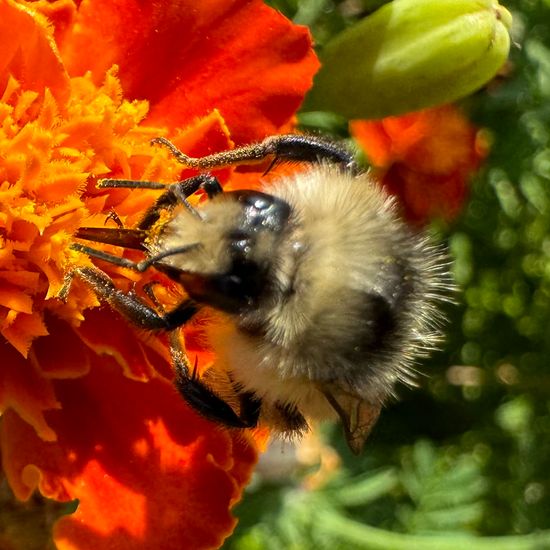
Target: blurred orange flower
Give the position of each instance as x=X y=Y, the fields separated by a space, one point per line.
x=88 y=411
x=424 y=158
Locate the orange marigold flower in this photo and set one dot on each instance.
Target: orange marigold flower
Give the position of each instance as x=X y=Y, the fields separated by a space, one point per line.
x=424 y=158
x=88 y=410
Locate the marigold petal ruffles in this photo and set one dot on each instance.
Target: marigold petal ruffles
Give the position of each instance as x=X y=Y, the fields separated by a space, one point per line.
x=424 y=158
x=239 y=56
x=147 y=472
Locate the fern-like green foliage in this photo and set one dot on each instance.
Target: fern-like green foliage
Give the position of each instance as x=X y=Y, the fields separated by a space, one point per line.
x=446 y=491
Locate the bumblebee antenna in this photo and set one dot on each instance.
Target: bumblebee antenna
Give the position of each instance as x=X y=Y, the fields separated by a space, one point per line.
x=125 y=262
x=142 y=266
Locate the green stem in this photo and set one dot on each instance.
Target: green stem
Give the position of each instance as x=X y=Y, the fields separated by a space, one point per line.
x=372 y=538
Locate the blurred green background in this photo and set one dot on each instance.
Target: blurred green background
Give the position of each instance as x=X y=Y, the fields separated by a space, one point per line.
x=468 y=453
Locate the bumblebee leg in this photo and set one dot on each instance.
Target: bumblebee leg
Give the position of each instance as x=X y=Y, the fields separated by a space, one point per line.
x=250 y=405
x=185 y=187
x=129 y=305
x=135 y=237
x=290 y=418
x=291 y=147
x=203 y=399
x=250 y=408
x=177 y=193
x=198 y=394
x=176 y=317
x=195 y=392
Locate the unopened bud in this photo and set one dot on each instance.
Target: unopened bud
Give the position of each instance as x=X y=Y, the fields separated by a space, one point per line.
x=411 y=54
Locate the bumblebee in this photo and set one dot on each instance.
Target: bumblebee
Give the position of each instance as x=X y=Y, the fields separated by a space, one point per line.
x=330 y=296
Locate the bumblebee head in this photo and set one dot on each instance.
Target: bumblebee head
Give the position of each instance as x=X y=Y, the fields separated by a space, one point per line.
x=235 y=239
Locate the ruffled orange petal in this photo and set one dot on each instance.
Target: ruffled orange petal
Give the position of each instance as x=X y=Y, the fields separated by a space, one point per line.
x=238 y=56
x=450 y=143
x=107 y=333
x=147 y=472
x=24 y=390
x=59 y=13
x=60 y=354
x=28 y=52
x=435 y=140
x=374 y=141
x=427 y=196
x=425 y=158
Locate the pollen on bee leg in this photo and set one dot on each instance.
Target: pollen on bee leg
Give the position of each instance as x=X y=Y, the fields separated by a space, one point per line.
x=63 y=293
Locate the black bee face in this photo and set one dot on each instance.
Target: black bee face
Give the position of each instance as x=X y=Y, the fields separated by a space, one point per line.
x=250 y=245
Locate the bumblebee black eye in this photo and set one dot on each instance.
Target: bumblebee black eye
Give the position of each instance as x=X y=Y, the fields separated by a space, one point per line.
x=260 y=202
x=232 y=286
x=240 y=287
x=262 y=211
x=238 y=235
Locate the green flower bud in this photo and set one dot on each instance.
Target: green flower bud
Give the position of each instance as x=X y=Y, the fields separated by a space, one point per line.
x=411 y=54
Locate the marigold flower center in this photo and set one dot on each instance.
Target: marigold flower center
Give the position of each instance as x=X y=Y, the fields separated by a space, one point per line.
x=52 y=156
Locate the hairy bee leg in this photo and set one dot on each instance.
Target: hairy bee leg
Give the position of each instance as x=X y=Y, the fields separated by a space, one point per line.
x=177 y=193
x=129 y=305
x=292 y=419
x=250 y=405
x=197 y=394
x=108 y=183
x=202 y=398
x=135 y=237
x=291 y=147
x=250 y=408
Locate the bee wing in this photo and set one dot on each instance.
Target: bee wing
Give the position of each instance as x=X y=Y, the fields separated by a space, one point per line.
x=358 y=416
